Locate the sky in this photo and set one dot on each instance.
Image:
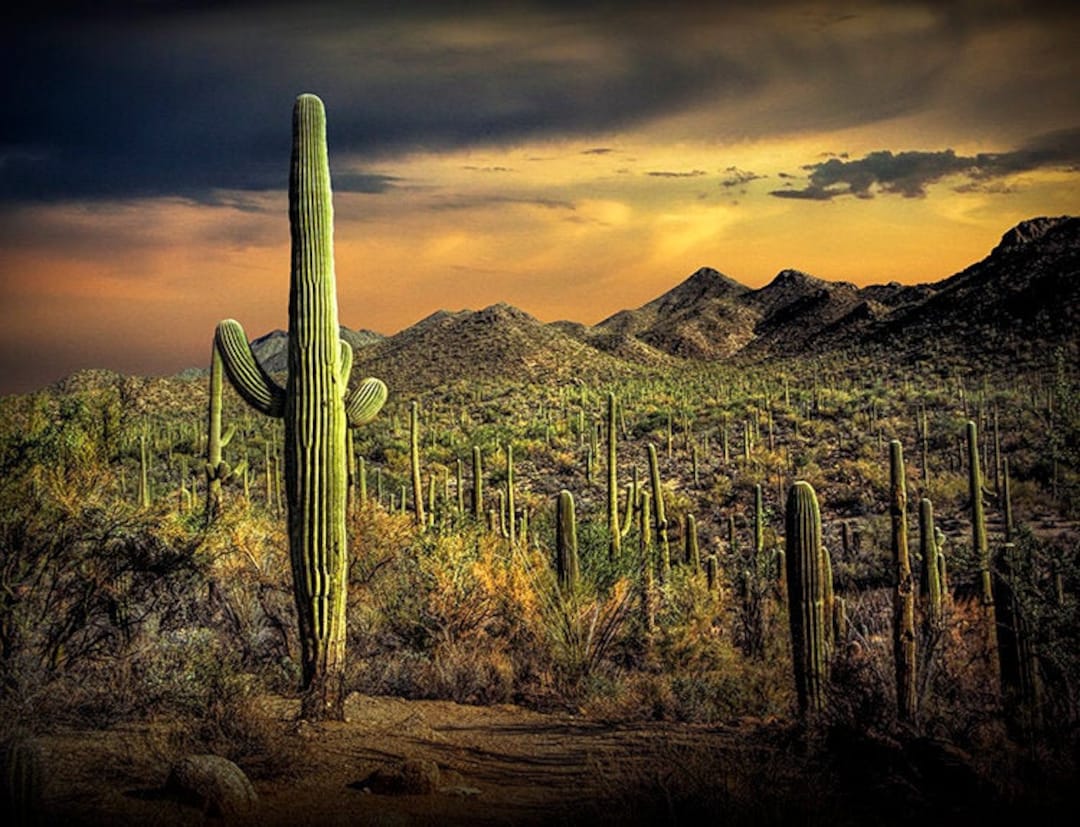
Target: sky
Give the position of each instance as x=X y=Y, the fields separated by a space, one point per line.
x=570 y=158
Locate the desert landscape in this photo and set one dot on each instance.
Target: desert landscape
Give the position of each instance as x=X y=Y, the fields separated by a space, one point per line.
x=661 y=532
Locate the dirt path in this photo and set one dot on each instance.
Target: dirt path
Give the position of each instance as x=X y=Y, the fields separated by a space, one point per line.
x=499 y=765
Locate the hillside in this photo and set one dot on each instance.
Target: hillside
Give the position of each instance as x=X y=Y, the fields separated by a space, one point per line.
x=498 y=342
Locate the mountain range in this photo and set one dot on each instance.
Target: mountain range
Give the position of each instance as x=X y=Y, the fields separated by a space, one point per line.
x=1022 y=299
x=1020 y=302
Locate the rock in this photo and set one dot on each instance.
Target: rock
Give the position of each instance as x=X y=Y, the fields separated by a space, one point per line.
x=213 y=783
x=413 y=777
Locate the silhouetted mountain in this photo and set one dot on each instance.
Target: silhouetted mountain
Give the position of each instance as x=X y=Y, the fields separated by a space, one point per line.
x=1024 y=296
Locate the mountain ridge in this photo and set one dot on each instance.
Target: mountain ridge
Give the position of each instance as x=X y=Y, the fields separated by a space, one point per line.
x=1023 y=296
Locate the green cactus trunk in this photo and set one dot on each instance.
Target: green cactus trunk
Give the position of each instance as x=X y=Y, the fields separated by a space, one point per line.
x=978 y=517
x=614 y=535
x=660 y=514
x=931 y=567
x=315 y=471
x=511 y=521
x=566 y=545
x=693 y=550
x=22 y=781
x=317 y=410
x=477 y=485
x=904 y=594
x=806 y=596
x=414 y=464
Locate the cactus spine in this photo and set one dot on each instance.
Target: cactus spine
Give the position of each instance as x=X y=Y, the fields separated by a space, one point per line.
x=904 y=595
x=317 y=408
x=566 y=546
x=614 y=535
x=806 y=596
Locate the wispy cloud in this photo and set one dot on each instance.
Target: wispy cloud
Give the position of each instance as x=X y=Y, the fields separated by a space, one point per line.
x=693 y=173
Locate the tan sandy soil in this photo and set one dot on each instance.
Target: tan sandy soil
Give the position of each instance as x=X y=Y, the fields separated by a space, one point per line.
x=499 y=765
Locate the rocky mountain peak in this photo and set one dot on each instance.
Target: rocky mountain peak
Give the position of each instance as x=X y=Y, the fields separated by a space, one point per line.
x=1031 y=230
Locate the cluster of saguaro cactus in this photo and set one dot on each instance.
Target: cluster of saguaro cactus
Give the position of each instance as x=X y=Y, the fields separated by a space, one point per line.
x=806 y=596
x=317 y=408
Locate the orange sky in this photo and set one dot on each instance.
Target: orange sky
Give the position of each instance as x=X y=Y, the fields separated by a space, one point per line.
x=565 y=221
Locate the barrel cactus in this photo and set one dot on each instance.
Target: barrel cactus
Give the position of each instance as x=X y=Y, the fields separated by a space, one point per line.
x=317 y=407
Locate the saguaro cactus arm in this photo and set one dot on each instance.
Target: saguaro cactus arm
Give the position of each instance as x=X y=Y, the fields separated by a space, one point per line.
x=252 y=382
x=365 y=401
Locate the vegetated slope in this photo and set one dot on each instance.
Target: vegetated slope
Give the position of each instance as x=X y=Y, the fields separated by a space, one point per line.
x=498 y=342
x=1025 y=295
x=701 y=318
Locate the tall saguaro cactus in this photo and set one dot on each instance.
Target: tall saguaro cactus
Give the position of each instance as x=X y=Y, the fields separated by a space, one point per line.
x=614 y=536
x=978 y=517
x=317 y=408
x=904 y=594
x=806 y=595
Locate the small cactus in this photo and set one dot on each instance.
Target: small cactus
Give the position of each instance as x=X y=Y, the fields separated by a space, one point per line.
x=806 y=596
x=566 y=546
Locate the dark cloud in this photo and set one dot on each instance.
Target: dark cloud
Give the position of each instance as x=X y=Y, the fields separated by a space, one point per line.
x=908 y=174
x=694 y=173
x=739 y=177
x=120 y=99
x=183 y=103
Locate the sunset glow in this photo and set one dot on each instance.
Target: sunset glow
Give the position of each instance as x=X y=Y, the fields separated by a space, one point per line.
x=571 y=164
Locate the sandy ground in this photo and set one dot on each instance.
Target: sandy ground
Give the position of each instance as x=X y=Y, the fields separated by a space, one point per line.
x=499 y=765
